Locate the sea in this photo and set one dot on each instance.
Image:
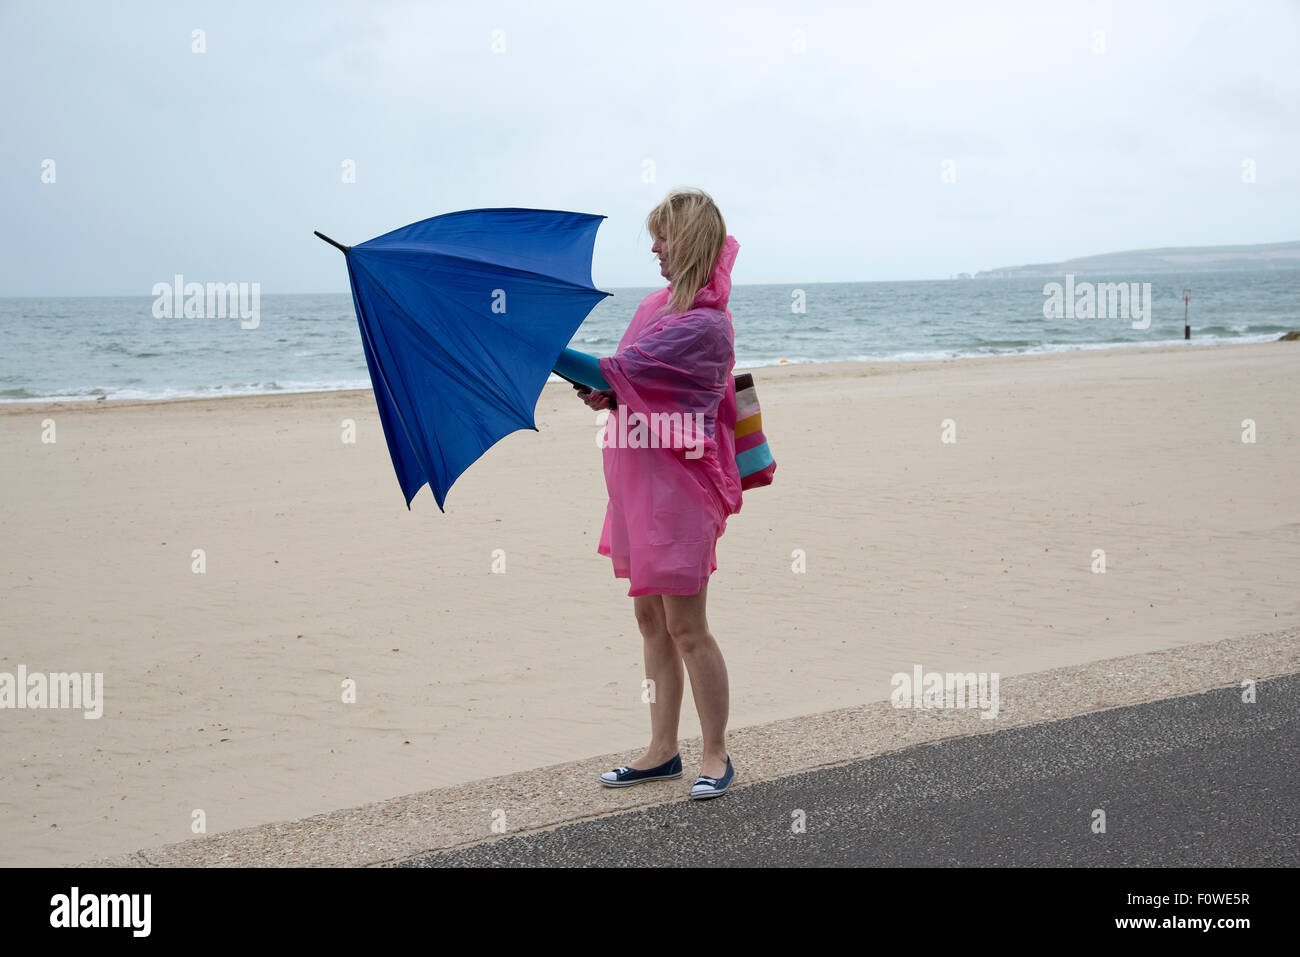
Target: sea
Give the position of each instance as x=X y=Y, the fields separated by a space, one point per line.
x=88 y=348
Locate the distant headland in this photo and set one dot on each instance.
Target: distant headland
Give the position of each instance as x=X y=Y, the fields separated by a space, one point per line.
x=1175 y=259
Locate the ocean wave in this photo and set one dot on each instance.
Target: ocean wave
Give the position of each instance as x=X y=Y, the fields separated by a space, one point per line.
x=943 y=355
x=182 y=392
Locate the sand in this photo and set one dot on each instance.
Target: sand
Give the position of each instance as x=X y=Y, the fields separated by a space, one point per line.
x=223 y=689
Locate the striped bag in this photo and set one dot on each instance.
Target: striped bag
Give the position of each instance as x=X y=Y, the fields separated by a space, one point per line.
x=753 y=457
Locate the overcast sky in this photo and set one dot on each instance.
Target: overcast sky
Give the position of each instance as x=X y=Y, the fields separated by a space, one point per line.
x=1070 y=129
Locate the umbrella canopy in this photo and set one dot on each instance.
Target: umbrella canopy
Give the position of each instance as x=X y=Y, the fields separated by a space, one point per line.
x=462 y=318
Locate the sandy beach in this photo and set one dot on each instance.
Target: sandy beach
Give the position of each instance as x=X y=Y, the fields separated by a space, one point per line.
x=223 y=690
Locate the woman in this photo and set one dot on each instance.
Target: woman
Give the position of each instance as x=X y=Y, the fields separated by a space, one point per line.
x=669 y=502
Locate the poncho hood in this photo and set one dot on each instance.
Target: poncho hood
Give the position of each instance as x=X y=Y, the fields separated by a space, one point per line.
x=714 y=295
x=717 y=293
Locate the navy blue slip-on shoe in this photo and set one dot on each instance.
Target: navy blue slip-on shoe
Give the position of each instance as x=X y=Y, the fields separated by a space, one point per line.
x=626 y=777
x=712 y=787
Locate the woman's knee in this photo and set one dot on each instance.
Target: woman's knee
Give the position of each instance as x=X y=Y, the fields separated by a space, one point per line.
x=650 y=618
x=686 y=622
x=688 y=635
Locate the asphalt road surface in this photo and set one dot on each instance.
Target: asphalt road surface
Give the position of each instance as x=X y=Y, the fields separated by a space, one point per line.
x=1204 y=780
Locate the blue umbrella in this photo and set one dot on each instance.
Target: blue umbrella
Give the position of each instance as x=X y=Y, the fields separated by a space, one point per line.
x=463 y=317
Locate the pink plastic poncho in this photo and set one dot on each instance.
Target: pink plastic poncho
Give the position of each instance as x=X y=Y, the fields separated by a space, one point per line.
x=668 y=503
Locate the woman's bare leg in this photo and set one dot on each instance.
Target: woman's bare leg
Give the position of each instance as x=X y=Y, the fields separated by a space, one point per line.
x=663 y=666
x=689 y=630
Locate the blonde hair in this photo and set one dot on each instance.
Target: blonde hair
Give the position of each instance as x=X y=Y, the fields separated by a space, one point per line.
x=696 y=233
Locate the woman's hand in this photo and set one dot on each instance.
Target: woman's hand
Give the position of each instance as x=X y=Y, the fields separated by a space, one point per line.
x=596 y=400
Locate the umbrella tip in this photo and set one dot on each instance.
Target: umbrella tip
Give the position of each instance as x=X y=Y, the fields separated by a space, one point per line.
x=336 y=245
